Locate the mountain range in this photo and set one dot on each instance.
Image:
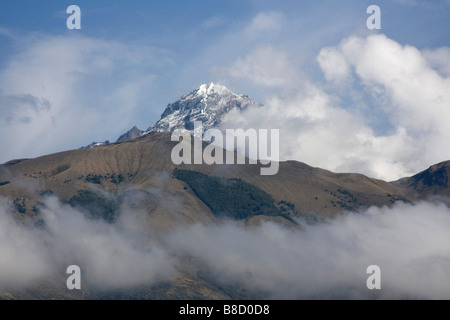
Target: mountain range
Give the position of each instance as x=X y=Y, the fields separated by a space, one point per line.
x=136 y=171
x=208 y=103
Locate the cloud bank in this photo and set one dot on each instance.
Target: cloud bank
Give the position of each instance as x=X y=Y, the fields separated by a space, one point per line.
x=328 y=260
x=110 y=256
x=381 y=111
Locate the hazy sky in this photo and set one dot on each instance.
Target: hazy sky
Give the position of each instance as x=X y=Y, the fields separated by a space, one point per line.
x=343 y=91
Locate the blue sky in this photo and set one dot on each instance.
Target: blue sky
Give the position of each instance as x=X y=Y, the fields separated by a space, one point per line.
x=67 y=88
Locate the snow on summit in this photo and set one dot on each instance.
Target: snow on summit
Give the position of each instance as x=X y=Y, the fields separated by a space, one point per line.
x=208 y=103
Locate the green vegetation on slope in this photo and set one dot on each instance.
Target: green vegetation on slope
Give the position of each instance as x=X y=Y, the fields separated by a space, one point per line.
x=229 y=198
x=95 y=205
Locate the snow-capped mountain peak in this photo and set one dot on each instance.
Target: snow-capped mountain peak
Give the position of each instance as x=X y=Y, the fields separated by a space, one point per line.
x=208 y=103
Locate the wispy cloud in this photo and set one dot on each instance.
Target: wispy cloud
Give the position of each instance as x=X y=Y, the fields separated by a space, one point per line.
x=326 y=260
x=110 y=256
x=93 y=87
x=214 y=22
x=330 y=260
x=263 y=23
x=7 y=33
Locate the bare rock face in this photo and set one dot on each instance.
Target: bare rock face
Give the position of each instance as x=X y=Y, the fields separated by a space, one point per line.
x=130 y=134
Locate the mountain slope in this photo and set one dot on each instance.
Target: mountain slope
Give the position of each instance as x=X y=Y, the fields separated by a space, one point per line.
x=431 y=182
x=145 y=163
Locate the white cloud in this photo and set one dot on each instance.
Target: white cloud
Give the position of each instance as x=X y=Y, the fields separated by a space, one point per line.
x=326 y=260
x=416 y=96
x=438 y=60
x=23 y=260
x=324 y=126
x=333 y=64
x=265 y=66
x=110 y=255
x=265 y=22
x=329 y=260
x=85 y=84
